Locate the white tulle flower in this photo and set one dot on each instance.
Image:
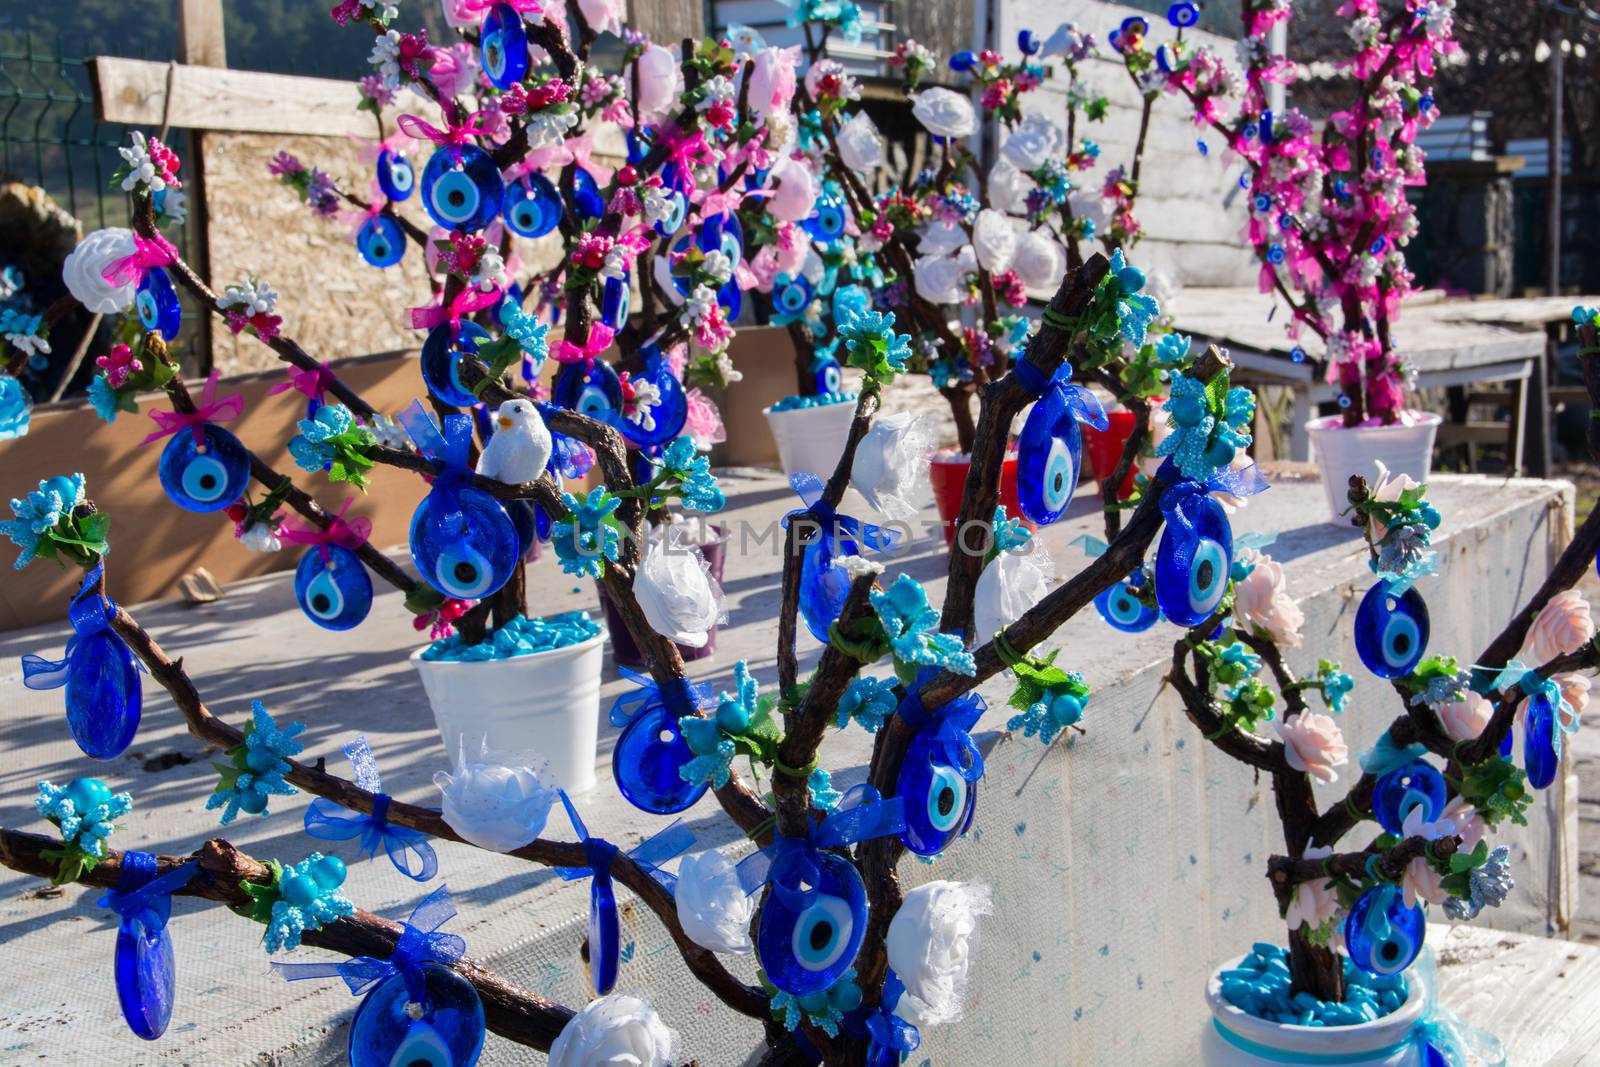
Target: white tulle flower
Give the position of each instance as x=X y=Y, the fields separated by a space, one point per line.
x=943 y=279
x=944 y=112
x=930 y=948
x=659 y=78
x=499 y=800
x=1039 y=261
x=1009 y=586
x=1033 y=143
x=994 y=241
x=676 y=592
x=1008 y=187
x=84 y=267
x=713 y=908
x=260 y=537
x=604 y=16
x=796 y=191
x=860 y=145
x=614 y=1031
x=892 y=461
x=940 y=239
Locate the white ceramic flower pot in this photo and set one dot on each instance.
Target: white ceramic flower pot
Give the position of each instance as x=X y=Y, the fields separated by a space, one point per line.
x=544 y=702
x=811 y=439
x=1234 y=1038
x=1341 y=452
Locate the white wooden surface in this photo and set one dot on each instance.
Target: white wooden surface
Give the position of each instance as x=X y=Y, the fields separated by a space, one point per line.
x=1538 y=995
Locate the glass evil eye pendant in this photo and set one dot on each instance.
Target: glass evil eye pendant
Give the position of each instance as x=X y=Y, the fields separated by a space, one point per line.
x=146 y=976
x=1050 y=451
x=826 y=222
x=445 y=1030
x=809 y=937
x=591 y=203
x=204 y=476
x=441 y=361
x=1391 y=631
x=463 y=542
x=594 y=390
x=939 y=798
x=823 y=586
x=396 y=176
x=380 y=241
x=464 y=195
x=828 y=376
x=615 y=297
x=504 y=46
x=335 y=593
x=157 y=304
x=104 y=697
x=1192 y=565
x=1541 y=757
x=645 y=763
x=1383 y=936
x=1121 y=607
x=1406 y=789
x=670 y=412
x=532 y=206
x=792 y=295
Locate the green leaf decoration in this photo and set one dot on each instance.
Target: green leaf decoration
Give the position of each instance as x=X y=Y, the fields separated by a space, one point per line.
x=1497 y=788
x=72 y=863
x=423 y=598
x=1037 y=676
x=262 y=897
x=498 y=355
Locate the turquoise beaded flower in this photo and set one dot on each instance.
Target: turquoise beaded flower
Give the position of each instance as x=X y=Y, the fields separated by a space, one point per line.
x=872 y=344
x=1234 y=663
x=103 y=398
x=1584 y=316
x=84 y=811
x=1488 y=885
x=525 y=329
x=39 y=512
x=823 y=795
x=16 y=408
x=869 y=701
x=1209 y=423
x=1336 y=684
x=258 y=766
x=589 y=536
x=308 y=899
x=910 y=624
x=1008 y=533
x=313 y=449
x=1135 y=310
x=1054 y=711
x=685 y=464
x=824 y=1009
x=710 y=738
x=1172 y=349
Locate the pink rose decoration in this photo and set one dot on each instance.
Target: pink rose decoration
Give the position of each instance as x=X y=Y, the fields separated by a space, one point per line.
x=703 y=421
x=1421 y=880
x=1470 y=826
x=1465 y=719
x=1314 y=902
x=658 y=80
x=1314 y=744
x=1565 y=625
x=1388 y=487
x=603 y=16
x=796 y=191
x=1263 y=603
x=772 y=79
x=454 y=69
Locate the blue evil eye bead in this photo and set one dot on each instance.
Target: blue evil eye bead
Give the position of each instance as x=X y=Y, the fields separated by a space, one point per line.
x=670 y=412
x=963 y=61
x=827 y=219
x=207 y=476
x=615 y=297
x=1049 y=456
x=1192 y=566
x=396 y=176
x=532 y=206
x=380 y=241
x=525 y=517
x=649 y=753
x=586 y=194
x=1167 y=59
x=605 y=936
x=1122 y=609
x=445 y=1029
x=669 y=223
x=808 y=939
x=104 y=698
x=1029 y=42
x=146 y=977
x=157 y=303
x=1405 y=789
x=503 y=46
x=828 y=376
x=939 y=800
x=594 y=391
x=1183 y=14
x=1382 y=935
x=465 y=548
x=1391 y=631
x=1540 y=757
x=441 y=361
x=722 y=233
x=335 y=594
x=823 y=586
x=465 y=195
x=791 y=295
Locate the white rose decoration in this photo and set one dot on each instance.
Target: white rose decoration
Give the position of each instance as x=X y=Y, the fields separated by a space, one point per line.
x=1039 y=261
x=796 y=191
x=499 y=801
x=930 y=948
x=940 y=239
x=658 y=79
x=614 y=1031
x=891 y=462
x=1010 y=585
x=944 y=112
x=994 y=241
x=1008 y=187
x=1035 y=141
x=860 y=145
x=603 y=16
x=676 y=592
x=84 y=267
x=942 y=279
x=713 y=908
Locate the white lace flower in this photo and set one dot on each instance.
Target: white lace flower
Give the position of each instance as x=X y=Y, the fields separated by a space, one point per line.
x=83 y=271
x=498 y=801
x=385 y=56
x=858 y=566
x=549 y=127
x=175 y=206
x=254 y=297
x=1039 y=260
x=658 y=203
x=860 y=144
x=930 y=948
x=614 y=1031
x=713 y=907
x=994 y=241
x=944 y=112
x=490 y=271
x=943 y=279
x=891 y=461
x=260 y=537
x=719 y=90
x=676 y=592
x=1014 y=582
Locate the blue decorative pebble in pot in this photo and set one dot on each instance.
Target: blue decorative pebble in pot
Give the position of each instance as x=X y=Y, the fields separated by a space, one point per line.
x=207 y=475
x=1391 y=631
x=157 y=304
x=462 y=193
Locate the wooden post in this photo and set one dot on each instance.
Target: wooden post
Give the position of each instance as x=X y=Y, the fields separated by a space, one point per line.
x=202 y=42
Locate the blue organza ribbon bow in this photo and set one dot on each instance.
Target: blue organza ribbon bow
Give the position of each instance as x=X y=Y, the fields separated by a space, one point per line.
x=680 y=697
x=892 y=1036
x=810 y=490
x=1458 y=1042
x=89 y=615
x=408 y=849
x=448 y=449
x=1386 y=756
x=1533 y=684
x=143 y=897
x=789 y=862
x=650 y=854
x=1181 y=491
x=420 y=943
x=949 y=726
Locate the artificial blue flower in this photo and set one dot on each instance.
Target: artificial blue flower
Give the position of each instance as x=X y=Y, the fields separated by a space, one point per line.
x=308 y=899
x=21 y=331
x=1443 y=689
x=103 y=398
x=83 y=811
x=587 y=538
x=1172 y=349
x=714 y=753
x=1238 y=655
x=1205 y=435
x=527 y=331
x=1135 y=310
x=911 y=625
x=869 y=701
x=872 y=344
x=691 y=469
x=310 y=448
x=1336 y=686
x=39 y=512
x=1584 y=316
x=850 y=301
x=1009 y=533
x=820 y=784
x=1488 y=885
x=1053 y=712
x=258 y=766
x=825 y=1012
x=16 y=408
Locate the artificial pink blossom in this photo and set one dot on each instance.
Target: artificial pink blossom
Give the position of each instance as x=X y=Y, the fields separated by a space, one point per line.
x=1466 y=718
x=772 y=79
x=1564 y=625
x=1314 y=744
x=454 y=69
x=1314 y=902
x=1470 y=826
x=1262 y=601
x=703 y=421
x=118 y=365
x=1421 y=881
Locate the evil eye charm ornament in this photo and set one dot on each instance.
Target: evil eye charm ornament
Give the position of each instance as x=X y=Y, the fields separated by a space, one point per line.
x=594 y=390
x=827 y=537
x=205 y=475
x=1541 y=739
x=671 y=409
x=827 y=375
x=1383 y=936
x=1122 y=607
x=1193 y=560
x=157 y=303
x=791 y=295
x=939 y=779
x=145 y=970
x=586 y=194
x=464 y=193
x=651 y=749
x=380 y=241
x=396 y=176
x=532 y=206
x=332 y=587
x=441 y=361
x=1391 y=631
x=1050 y=448
x=1413 y=787
x=826 y=222
x=504 y=46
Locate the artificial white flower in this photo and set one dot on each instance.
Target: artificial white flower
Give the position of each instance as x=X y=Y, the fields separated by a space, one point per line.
x=994 y=241
x=614 y=1031
x=858 y=566
x=717 y=266
x=641 y=409
x=260 y=537
x=943 y=279
x=719 y=90
x=659 y=78
x=175 y=206
x=1039 y=260
x=27 y=343
x=796 y=190
x=499 y=801
x=698 y=305
x=930 y=948
x=1011 y=584
x=940 y=239
x=389 y=432
x=1008 y=187
x=83 y=271
x=490 y=271
x=944 y=112
x=550 y=127
x=713 y=907
x=860 y=145
x=1033 y=143
x=676 y=592
x=141 y=169
x=385 y=56
x=603 y=16
x=891 y=461
x=254 y=297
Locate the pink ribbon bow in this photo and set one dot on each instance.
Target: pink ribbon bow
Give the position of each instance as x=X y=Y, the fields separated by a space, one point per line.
x=312 y=383
x=600 y=336
x=455 y=134
x=690 y=151
x=147 y=252
x=466 y=302
x=351 y=534
x=579 y=150
x=210 y=409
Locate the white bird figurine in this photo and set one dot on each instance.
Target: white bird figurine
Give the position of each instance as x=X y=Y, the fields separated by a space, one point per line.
x=520 y=447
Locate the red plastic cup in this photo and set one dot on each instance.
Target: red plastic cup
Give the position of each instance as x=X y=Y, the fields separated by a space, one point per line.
x=1104 y=448
x=947 y=472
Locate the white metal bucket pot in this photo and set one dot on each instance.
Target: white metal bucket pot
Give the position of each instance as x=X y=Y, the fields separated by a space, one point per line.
x=1234 y=1038
x=811 y=439
x=1342 y=452
x=544 y=702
